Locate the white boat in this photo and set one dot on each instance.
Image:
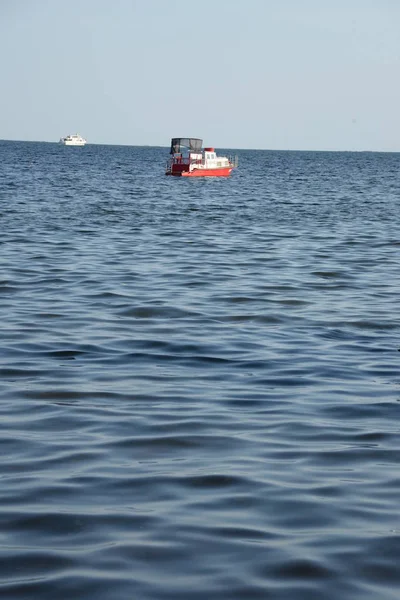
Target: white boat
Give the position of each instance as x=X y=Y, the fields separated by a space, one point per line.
x=73 y=140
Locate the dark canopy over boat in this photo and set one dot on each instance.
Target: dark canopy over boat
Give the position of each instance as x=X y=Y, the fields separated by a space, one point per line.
x=186 y=145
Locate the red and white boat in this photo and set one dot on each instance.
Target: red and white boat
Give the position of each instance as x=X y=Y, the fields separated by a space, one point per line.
x=189 y=159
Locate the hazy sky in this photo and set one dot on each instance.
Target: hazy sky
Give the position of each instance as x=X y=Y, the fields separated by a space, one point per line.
x=278 y=74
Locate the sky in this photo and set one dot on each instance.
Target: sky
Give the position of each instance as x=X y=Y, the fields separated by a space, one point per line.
x=263 y=74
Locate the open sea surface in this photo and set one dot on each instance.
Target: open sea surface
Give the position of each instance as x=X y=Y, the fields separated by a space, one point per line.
x=199 y=378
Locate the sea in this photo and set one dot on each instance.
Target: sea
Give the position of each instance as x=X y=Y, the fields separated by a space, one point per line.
x=199 y=378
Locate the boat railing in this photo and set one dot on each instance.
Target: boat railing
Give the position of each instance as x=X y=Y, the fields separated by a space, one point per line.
x=234 y=160
x=181 y=160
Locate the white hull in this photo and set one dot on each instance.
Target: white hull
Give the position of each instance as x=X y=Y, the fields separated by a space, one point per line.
x=73 y=140
x=72 y=143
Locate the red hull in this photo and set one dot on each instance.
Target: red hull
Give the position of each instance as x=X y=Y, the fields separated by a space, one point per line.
x=218 y=172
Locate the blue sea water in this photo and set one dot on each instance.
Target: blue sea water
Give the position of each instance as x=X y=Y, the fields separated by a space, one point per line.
x=199 y=379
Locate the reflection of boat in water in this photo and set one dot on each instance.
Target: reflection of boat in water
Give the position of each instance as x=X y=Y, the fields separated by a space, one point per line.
x=188 y=159
x=73 y=140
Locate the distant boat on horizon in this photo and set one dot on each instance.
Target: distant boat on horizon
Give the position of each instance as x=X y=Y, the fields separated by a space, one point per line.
x=73 y=140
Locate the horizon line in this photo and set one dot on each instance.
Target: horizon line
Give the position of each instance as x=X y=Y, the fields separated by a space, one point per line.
x=220 y=147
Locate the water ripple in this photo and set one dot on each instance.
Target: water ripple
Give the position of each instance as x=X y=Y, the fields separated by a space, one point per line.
x=198 y=380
